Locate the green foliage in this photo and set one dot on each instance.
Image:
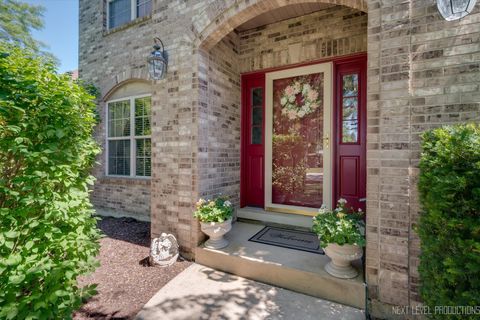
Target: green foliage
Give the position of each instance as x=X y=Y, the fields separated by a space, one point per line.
x=449 y=227
x=217 y=210
x=340 y=226
x=17 y=20
x=48 y=236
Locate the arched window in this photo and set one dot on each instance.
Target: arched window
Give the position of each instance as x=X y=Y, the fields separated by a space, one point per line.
x=128 y=131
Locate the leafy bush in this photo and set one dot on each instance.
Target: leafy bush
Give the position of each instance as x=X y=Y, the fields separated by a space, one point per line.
x=48 y=236
x=449 y=226
x=341 y=225
x=218 y=210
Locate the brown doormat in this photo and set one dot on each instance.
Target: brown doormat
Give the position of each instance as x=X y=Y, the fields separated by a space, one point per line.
x=288 y=238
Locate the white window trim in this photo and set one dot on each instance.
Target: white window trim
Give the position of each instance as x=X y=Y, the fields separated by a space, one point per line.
x=133 y=12
x=132 y=137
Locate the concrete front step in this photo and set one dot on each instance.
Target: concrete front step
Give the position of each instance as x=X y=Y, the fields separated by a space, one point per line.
x=295 y=270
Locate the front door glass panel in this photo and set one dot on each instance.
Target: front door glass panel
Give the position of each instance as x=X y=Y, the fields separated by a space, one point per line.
x=297 y=140
x=257 y=116
x=350 y=108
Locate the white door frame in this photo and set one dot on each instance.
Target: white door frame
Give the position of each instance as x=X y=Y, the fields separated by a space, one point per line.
x=326 y=69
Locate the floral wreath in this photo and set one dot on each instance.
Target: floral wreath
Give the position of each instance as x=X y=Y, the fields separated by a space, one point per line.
x=293 y=107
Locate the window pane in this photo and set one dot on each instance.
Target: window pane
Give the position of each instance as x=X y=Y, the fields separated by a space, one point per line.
x=143 y=157
x=257 y=97
x=143 y=111
x=119 y=157
x=350 y=109
x=257 y=116
x=119 y=12
x=144 y=8
x=256 y=135
x=350 y=131
x=350 y=85
x=119 y=119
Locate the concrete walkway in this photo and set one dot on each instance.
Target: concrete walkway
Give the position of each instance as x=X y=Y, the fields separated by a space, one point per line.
x=204 y=293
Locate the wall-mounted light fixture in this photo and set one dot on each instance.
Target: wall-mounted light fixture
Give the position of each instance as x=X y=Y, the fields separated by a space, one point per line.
x=455 y=9
x=157 y=61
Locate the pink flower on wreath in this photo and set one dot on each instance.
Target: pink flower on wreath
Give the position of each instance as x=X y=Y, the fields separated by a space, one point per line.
x=314 y=106
x=289 y=90
x=312 y=95
x=292 y=115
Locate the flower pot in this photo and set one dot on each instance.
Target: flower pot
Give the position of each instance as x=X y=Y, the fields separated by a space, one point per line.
x=215 y=231
x=341 y=257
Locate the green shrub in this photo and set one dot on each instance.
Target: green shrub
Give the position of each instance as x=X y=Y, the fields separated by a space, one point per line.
x=449 y=226
x=48 y=236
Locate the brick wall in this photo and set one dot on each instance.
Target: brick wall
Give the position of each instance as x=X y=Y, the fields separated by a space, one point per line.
x=423 y=73
x=122 y=197
x=219 y=123
x=328 y=33
x=106 y=64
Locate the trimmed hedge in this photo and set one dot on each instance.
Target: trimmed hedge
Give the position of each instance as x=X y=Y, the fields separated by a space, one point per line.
x=48 y=236
x=449 y=226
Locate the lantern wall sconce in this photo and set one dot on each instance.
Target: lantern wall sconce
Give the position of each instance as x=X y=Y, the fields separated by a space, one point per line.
x=157 y=61
x=455 y=9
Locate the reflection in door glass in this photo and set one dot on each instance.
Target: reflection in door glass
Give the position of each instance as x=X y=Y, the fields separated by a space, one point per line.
x=256 y=115
x=350 y=108
x=297 y=146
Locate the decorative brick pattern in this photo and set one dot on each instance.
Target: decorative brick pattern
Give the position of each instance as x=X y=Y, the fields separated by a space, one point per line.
x=312 y=37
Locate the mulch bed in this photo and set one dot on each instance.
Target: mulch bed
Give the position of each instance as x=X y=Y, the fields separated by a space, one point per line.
x=125 y=281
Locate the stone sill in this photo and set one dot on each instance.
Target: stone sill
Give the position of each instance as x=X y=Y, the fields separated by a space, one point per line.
x=124 y=180
x=126 y=25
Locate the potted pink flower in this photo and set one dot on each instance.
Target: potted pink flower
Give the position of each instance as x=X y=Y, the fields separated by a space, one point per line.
x=215 y=218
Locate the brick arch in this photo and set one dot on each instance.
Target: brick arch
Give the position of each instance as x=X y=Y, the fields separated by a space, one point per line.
x=244 y=10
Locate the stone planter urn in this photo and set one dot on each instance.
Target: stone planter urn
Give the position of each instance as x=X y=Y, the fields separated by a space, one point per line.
x=215 y=231
x=341 y=257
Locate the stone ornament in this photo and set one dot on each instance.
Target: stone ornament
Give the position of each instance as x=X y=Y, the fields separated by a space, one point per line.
x=164 y=250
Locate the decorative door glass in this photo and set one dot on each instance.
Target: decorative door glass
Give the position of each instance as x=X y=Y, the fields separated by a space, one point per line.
x=257 y=115
x=350 y=108
x=297 y=141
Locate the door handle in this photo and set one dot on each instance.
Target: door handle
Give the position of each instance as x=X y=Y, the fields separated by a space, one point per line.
x=362 y=200
x=326 y=141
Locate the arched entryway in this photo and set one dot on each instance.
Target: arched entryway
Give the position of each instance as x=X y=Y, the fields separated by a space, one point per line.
x=239 y=51
x=253 y=58
x=243 y=11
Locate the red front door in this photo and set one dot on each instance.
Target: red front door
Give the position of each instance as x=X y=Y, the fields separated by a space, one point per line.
x=348 y=132
x=351 y=127
x=253 y=138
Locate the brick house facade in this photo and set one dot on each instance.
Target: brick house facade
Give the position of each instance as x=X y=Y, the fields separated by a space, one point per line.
x=422 y=72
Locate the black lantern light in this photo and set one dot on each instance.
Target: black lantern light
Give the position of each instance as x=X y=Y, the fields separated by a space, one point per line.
x=157 y=61
x=455 y=9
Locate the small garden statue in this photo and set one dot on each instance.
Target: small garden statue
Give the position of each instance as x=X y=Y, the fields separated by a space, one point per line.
x=164 y=250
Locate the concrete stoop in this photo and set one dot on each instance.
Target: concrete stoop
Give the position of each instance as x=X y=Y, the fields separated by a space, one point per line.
x=201 y=292
x=295 y=270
